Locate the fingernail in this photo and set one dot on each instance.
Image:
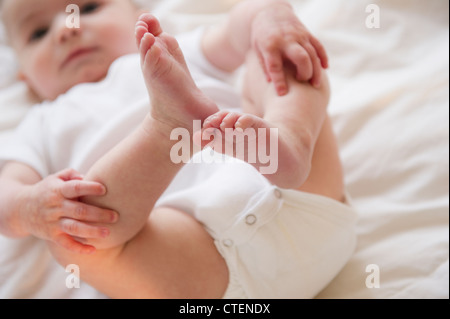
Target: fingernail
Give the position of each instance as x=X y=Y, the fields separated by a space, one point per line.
x=105 y=232
x=114 y=217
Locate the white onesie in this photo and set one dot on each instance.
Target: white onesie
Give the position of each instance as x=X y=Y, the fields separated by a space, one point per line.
x=277 y=243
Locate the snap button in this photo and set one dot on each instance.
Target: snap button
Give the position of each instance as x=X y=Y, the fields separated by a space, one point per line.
x=278 y=193
x=227 y=242
x=250 y=219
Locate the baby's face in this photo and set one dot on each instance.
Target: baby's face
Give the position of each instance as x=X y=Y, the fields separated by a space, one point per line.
x=54 y=57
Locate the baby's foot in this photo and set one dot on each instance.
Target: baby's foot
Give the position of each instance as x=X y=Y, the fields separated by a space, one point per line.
x=232 y=120
x=244 y=136
x=257 y=142
x=233 y=134
x=176 y=100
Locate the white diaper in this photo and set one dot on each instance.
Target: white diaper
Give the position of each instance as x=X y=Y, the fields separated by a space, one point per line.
x=288 y=245
x=277 y=243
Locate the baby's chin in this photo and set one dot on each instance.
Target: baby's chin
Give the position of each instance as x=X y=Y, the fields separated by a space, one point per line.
x=91 y=78
x=91 y=75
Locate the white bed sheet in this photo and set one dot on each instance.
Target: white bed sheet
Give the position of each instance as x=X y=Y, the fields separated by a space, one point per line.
x=390 y=109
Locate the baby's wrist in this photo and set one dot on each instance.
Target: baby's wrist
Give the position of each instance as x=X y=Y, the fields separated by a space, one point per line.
x=274 y=7
x=271 y=12
x=21 y=214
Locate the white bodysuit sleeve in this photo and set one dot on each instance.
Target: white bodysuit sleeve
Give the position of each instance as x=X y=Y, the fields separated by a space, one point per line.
x=27 y=144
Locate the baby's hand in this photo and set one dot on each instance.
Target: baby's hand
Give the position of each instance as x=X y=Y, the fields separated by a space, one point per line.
x=279 y=36
x=55 y=214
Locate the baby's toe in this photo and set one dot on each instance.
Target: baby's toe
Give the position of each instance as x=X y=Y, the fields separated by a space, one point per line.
x=140 y=31
x=147 y=42
x=229 y=121
x=215 y=120
x=153 y=25
x=248 y=121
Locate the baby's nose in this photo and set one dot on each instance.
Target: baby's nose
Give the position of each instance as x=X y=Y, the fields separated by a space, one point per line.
x=64 y=29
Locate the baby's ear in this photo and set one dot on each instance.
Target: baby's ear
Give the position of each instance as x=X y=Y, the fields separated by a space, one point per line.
x=34 y=98
x=21 y=76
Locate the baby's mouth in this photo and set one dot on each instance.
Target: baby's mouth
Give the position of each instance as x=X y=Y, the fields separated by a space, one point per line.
x=77 y=54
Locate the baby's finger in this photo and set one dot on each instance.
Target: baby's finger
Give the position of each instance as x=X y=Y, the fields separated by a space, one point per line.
x=263 y=65
x=75 y=189
x=317 y=76
x=317 y=68
x=321 y=52
x=69 y=174
x=72 y=245
x=75 y=228
x=302 y=61
x=274 y=66
x=91 y=214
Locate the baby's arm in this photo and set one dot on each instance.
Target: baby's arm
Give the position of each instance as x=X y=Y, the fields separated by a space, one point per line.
x=272 y=30
x=49 y=208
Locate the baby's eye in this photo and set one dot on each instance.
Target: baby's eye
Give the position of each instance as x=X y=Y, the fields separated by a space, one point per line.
x=89 y=7
x=38 y=34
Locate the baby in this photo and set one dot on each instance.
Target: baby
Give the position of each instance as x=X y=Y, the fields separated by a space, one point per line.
x=167 y=253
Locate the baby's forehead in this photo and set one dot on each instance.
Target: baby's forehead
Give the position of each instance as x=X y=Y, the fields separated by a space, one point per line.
x=11 y=10
x=16 y=12
x=14 y=8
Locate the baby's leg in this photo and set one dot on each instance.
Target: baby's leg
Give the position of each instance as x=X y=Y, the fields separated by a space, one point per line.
x=165 y=254
x=324 y=173
x=311 y=165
